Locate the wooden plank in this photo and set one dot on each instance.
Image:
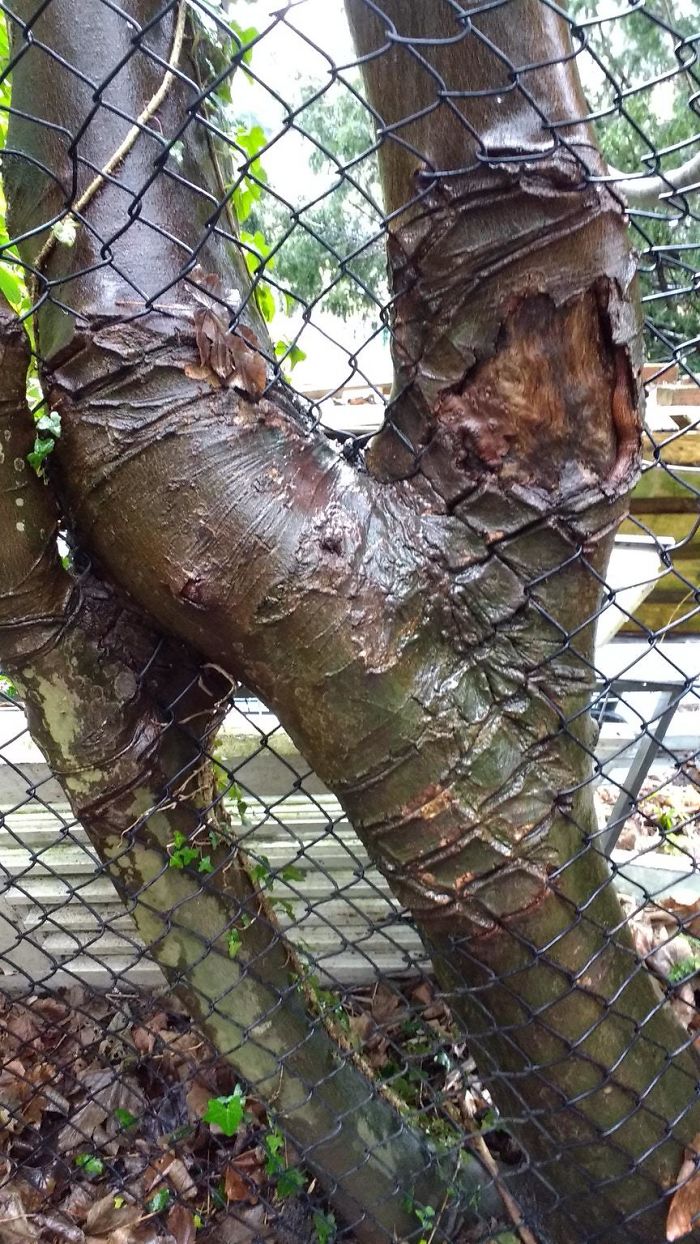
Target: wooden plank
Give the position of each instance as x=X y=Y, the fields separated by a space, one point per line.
x=675 y=526
x=682 y=449
x=658 y=618
x=662 y=481
x=656 y=372
x=682 y=393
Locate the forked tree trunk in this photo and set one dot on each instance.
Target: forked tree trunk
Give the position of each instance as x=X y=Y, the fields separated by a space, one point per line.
x=127 y=722
x=408 y=623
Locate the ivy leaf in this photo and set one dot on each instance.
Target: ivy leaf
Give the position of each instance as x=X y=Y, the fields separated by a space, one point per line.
x=205 y=865
x=43 y=446
x=245 y=35
x=50 y=423
x=252 y=141
x=262 y=870
x=124 y=1117
x=183 y=856
x=89 y=1163
x=291 y=1181
x=266 y=302
x=234 y=943
x=226 y=1113
x=291 y=354
x=12 y=285
x=325 y=1227
x=159 y=1201
x=65 y=231
x=274 y=1144
x=283 y=905
x=290 y=872
x=182 y=853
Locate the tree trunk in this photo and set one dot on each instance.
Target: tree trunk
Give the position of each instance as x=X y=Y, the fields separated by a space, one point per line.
x=410 y=623
x=126 y=722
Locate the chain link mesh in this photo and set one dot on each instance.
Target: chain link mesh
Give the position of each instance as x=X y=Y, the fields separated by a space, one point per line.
x=121 y=1121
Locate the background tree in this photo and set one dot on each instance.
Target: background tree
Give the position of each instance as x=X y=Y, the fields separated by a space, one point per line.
x=643 y=86
x=333 y=249
x=404 y=618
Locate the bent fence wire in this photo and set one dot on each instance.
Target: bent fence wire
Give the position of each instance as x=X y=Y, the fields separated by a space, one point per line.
x=120 y=1119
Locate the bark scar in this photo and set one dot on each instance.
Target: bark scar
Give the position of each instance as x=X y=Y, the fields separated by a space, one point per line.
x=625 y=422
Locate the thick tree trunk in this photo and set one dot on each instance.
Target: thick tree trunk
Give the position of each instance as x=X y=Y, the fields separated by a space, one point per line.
x=408 y=624
x=126 y=721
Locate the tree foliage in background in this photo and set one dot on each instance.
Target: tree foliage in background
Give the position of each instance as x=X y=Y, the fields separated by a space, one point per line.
x=637 y=122
x=329 y=248
x=332 y=250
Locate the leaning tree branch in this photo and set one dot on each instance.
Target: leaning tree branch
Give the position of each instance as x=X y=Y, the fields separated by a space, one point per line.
x=126 y=722
x=647 y=192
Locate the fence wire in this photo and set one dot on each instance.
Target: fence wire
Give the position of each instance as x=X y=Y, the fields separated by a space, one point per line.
x=123 y=1118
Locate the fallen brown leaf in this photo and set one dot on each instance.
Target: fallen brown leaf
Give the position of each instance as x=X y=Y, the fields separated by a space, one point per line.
x=250 y=364
x=215 y=343
x=198 y=1095
x=167 y=1166
x=199 y=371
x=245 y=1226
x=145 y=1234
x=61 y=1227
x=105 y=1216
x=181 y=1226
x=78 y=1203
x=143 y=1038
x=235 y=1186
x=106 y=1093
x=16 y=1227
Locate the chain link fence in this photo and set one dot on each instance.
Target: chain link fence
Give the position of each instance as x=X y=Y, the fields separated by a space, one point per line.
x=248 y=1038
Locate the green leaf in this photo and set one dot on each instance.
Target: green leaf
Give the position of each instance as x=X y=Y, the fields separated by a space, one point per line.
x=50 y=423
x=325 y=1227
x=12 y=285
x=35 y=393
x=182 y=857
x=245 y=35
x=182 y=854
x=65 y=231
x=119 y=1201
x=43 y=446
x=290 y=872
x=159 y=1201
x=666 y=821
x=289 y=353
x=227 y=1113
x=282 y=904
x=244 y=199
x=262 y=870
x=274 y=1144
x=125 y=1118
x=205 y=865
x=290 y=1182
x=266 y=302
x=234 y=943
x=89 y=1163
x=251 y=140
